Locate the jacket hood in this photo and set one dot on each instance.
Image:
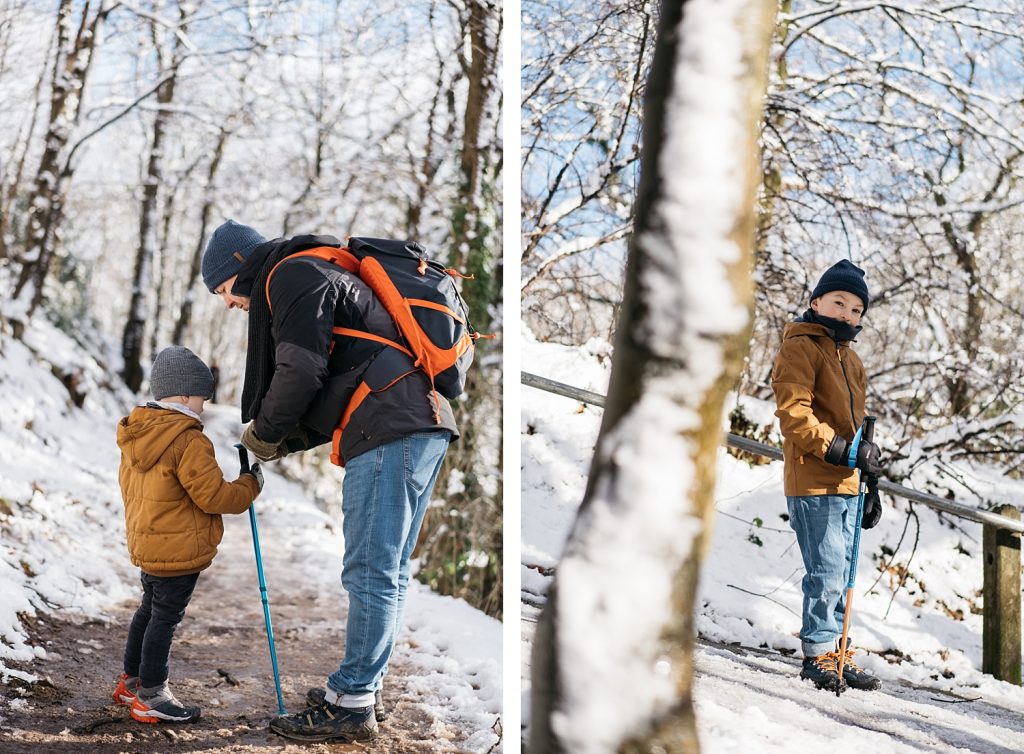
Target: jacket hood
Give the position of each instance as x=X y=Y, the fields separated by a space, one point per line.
x=794 y=329
x=146 y=433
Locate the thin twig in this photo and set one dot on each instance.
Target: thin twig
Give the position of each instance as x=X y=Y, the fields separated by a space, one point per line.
x=770 y=599
x=906 y=568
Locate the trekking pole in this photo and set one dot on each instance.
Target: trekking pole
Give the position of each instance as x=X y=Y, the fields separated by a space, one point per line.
x=243 y=459
x=867 y=430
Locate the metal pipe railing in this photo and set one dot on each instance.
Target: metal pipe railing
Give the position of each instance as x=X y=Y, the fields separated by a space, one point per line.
x=769 y=451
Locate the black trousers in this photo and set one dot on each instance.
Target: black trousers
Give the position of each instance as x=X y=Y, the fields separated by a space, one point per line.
x=164 y=600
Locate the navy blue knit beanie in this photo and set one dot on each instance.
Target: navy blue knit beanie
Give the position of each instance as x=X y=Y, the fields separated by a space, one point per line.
x=228 y=248
x=844 y=275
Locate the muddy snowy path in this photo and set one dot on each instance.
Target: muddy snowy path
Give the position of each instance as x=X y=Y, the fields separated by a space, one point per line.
x=748 y=698
x=439 y=701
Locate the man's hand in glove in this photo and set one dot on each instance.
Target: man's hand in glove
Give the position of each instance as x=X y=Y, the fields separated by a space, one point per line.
x=872 y=505
x=257 y=472
x=868 y=454
x=264 y=451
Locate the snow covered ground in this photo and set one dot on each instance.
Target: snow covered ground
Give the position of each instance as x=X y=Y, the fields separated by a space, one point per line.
x=62 y=549
x=926 y=633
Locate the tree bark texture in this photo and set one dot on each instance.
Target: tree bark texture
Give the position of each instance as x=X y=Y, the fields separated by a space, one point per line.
x=645 y=365
x=74 y=55
x=133 y=339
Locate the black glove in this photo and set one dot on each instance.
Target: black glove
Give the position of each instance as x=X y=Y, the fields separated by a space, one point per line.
x=872 y=505
x=868 y=454
x=257 y=472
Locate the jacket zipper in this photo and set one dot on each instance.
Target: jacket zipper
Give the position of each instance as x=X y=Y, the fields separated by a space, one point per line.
x=849 y=390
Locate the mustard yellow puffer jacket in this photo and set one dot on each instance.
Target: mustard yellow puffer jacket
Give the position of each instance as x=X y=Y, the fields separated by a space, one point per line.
x=174 y=492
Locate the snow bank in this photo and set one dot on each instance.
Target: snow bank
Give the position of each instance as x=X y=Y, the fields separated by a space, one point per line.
x=917 y=608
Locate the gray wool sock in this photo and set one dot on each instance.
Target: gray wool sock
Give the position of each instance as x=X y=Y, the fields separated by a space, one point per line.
x=151 y=693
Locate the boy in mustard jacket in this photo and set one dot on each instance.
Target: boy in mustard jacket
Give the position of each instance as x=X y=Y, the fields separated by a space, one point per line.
x=174 y=494
x=819 y=385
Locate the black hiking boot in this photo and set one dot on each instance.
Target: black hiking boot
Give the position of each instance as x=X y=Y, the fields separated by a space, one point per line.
x=823 y=671
x=855 y=676
x=327 y=722
x=316 y=695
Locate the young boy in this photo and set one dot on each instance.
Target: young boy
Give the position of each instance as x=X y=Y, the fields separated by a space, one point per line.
x=174 y=493
x=819 y=385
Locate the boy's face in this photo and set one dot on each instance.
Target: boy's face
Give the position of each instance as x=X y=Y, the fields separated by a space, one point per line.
x=231 y=301
x=841 y=305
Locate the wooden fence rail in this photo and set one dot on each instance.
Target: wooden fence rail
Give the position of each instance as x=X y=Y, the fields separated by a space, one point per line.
x=1001 y=621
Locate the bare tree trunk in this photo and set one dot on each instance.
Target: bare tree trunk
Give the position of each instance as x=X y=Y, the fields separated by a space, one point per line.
x=619 y=616
x=74 y=57
x=133 y=339
x=185 y=315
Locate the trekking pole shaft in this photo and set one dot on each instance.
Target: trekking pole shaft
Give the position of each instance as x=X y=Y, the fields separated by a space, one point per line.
x=266 y=607
x=869 y=433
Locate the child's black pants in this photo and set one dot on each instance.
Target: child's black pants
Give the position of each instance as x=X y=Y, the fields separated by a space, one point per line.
x=164 y=600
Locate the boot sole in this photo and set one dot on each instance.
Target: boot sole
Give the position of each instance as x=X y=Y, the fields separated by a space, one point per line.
x=823 y=685
x=323 y=737
x=152 y=717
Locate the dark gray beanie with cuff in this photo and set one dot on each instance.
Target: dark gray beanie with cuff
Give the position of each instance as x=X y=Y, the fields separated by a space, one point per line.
x=228 y=248
x=178 y=371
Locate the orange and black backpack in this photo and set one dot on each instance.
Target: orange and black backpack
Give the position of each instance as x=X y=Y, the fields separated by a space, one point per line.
x=429 y=313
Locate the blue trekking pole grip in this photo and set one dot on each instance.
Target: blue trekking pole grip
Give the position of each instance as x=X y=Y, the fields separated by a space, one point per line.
x=243 y=460
x=866 y=432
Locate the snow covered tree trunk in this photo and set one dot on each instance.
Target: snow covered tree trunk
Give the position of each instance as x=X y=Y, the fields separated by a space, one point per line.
x=469 y=524
x=613 y=653
x=74 y=52
x=133 y=338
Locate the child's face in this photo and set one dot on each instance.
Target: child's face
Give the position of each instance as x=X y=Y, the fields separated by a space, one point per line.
x=841 y=305
x=195 y=403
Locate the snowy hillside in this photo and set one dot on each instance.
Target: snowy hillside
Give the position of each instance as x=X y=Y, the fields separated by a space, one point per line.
x=63 y=555
x=917 y=621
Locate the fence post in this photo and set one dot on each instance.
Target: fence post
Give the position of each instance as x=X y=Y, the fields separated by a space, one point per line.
x=1000 y=637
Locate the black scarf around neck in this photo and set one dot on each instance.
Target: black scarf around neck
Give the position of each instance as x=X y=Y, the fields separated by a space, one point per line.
x=839 y=330
x=252 y=282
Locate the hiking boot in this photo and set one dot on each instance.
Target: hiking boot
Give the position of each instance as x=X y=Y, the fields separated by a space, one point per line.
x=855 y=676
x=327 y=722
x=163 y=707
x=316 y=695
x=823 y=670
x=126 y=688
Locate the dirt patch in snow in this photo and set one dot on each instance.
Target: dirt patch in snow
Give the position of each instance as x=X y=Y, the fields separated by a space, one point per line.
x=220 y=661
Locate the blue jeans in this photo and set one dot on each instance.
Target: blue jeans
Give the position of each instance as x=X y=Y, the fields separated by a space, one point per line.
x=824 y=526
x=385 y=494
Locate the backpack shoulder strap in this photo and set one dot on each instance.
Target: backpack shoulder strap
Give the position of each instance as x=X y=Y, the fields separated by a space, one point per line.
x=341 y=257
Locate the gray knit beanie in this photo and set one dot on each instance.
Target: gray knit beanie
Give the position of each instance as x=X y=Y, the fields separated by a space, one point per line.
x=229 y=246
x=178 y=371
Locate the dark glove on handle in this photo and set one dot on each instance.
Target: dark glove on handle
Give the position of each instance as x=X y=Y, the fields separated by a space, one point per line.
x=867 y=455
x=872 y=505
x=257 y=472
